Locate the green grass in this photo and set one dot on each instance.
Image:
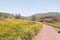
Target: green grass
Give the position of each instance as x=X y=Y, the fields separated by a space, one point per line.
x=54 y=24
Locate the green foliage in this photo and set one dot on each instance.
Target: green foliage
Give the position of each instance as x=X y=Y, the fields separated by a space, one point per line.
x=15 y=29
x=54 y=24
x=5 y=15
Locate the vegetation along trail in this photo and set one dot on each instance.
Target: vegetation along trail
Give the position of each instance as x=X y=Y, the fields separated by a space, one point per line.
x=47 y=33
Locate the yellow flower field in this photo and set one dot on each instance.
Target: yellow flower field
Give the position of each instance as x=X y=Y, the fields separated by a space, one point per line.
x=15 y=29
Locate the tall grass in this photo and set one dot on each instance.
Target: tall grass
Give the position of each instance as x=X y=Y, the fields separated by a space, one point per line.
x=14 y=29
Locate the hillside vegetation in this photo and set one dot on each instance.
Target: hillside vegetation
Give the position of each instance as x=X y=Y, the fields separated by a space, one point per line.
x=54 y=24
x=46 y=17
x=4 y=15
x=15 y=29
x=50 y=18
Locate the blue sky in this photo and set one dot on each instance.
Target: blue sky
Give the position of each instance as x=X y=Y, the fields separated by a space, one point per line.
x=29 y=7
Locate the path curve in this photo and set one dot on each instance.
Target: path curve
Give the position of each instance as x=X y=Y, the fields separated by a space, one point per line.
x=47 y=33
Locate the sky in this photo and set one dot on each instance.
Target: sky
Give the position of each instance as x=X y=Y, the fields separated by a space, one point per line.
x=29 y=7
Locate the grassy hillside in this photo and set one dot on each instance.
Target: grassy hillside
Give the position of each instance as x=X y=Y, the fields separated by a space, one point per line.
x=54 y=24
x=50 y=18
x=4 y=15
x=15 y=29
x=46 y=17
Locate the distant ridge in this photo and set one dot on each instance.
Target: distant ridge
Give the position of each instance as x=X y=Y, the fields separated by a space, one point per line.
x=6 y=15
x=49 y=16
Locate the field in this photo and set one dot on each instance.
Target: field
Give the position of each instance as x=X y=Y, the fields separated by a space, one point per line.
x=54 y=24
x=15 y=29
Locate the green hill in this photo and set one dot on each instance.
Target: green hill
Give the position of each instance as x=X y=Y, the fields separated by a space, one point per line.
x=5 y=15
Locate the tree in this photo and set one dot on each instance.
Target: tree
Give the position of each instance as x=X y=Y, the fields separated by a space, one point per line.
x=55 y=19
x=35 y=18
x=18 y=16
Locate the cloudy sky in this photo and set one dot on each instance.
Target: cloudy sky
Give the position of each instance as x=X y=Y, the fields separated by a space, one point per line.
x=29 y=7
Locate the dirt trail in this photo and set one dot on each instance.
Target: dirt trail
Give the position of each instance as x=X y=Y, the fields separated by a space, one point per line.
x=47 y=33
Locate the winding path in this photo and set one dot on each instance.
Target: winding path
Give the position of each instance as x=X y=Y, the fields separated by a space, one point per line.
x=47 y=33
